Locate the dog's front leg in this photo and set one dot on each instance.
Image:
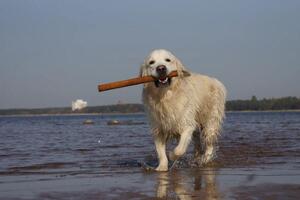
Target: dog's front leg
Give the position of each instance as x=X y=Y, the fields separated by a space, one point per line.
x=160 y=145
x=185 y=139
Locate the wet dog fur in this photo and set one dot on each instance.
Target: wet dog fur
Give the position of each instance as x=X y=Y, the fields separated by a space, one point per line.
x=188 y=107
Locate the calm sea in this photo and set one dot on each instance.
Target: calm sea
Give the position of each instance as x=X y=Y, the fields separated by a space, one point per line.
x=33 y=148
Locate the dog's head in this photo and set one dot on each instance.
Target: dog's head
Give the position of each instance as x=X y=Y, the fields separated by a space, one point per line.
x=159 y=64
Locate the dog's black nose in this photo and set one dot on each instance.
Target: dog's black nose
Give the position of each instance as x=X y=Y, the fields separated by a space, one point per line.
x=161 y=70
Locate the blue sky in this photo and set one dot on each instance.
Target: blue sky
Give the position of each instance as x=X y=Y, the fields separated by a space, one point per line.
x=56 y=51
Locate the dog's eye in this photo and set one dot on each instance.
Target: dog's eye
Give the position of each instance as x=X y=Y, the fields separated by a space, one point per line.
x=168 y=60
x=151 y=62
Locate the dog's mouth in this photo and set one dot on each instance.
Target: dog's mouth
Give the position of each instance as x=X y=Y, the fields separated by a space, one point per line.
x=163 y=81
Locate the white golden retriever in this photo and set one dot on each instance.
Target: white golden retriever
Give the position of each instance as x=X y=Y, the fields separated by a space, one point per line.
x=190 y=106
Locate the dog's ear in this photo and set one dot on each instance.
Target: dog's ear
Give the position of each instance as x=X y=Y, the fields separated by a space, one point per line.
x=143 y=70
x=186 y=73
x=182 y=72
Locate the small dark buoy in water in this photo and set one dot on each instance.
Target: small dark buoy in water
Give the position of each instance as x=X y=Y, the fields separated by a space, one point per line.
x=88 y=122
x=113 y=122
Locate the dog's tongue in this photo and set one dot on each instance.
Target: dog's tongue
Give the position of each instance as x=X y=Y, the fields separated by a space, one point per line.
x=162 y=78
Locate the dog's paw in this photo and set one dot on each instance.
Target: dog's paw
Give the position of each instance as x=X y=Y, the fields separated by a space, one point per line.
x=207 y=158
x=209 y=155
x=161 y=168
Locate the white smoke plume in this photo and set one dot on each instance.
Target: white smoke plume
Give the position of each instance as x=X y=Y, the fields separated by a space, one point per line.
x=78 y=104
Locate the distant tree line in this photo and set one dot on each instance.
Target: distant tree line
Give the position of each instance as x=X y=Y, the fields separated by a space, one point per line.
x=119 y=108
x=284 y=103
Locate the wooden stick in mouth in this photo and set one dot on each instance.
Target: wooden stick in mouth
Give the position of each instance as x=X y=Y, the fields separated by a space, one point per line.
x=130 y=82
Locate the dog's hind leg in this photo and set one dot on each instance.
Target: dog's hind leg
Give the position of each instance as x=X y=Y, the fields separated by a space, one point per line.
x=213 y=121
x=184 y=141
x=209 y=137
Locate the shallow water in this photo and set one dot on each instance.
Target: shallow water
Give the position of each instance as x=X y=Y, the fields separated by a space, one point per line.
x=58 y=157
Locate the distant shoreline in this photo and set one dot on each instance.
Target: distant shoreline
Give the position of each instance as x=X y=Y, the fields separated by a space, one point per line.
x=136 y=113
x=71 y=114
x=284 y=104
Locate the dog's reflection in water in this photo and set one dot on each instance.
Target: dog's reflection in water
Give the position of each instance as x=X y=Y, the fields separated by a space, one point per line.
x=184 y=185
